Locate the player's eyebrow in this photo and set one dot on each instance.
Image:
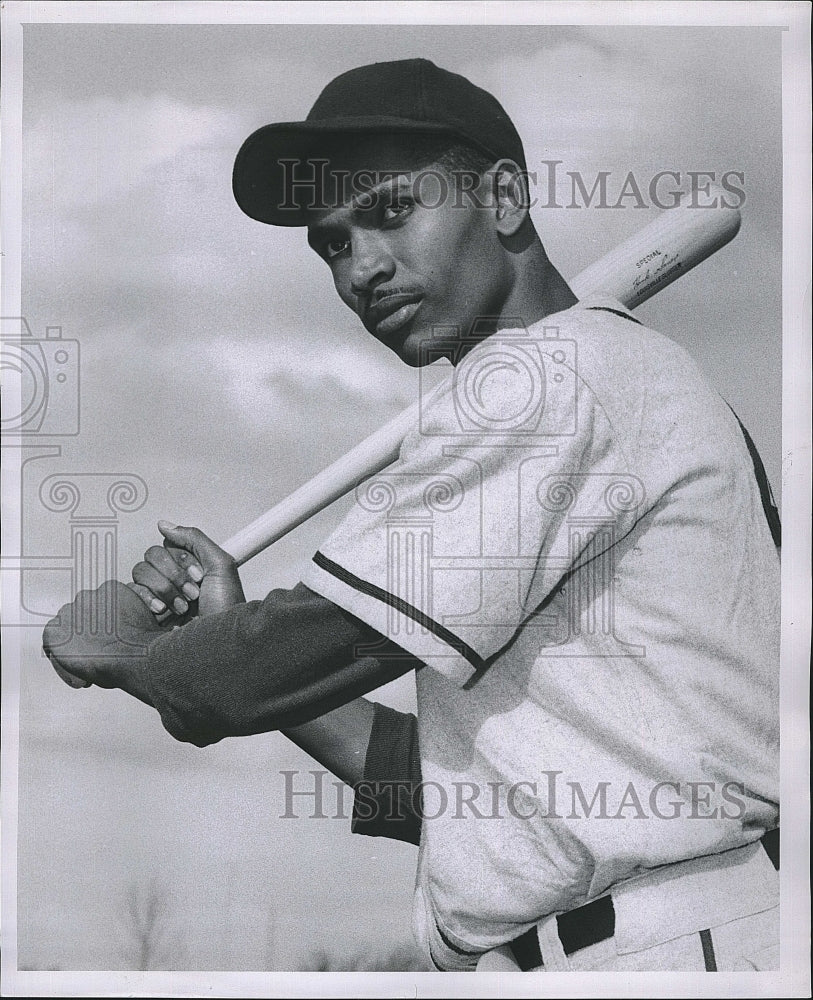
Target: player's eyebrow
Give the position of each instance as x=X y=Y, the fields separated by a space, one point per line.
x=367 y=199
x=361 y=204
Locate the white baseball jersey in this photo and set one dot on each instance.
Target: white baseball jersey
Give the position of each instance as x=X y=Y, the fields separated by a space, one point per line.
x=573 y=543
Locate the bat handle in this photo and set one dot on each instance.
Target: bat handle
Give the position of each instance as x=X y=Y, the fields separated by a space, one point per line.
x=372 y=455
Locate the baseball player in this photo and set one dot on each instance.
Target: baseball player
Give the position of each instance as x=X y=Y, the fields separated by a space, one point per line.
x=577 y=554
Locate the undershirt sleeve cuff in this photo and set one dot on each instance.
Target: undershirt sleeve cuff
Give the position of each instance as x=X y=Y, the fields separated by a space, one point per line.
x=387 y=801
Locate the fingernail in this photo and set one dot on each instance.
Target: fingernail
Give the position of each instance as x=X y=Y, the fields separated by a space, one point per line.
x=167 y=526
x=191 y=591
x=195 y=573
x=180 y=605
x=157 y=606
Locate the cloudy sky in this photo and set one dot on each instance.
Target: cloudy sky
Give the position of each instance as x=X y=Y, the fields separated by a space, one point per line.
x=219 y=366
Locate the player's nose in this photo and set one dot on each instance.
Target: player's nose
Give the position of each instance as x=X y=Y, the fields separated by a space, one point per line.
x=372 y=264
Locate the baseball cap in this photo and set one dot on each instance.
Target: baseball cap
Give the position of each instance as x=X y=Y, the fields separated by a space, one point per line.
x=407 y=95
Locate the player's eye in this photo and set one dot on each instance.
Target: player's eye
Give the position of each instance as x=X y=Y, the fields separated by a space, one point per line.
x=334 y=248
x=397 y=209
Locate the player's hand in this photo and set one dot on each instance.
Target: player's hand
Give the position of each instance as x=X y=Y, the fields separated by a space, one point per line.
x=102 y=637
x=189 y=575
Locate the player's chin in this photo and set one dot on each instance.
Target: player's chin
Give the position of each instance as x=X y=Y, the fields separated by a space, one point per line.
x=416 y=347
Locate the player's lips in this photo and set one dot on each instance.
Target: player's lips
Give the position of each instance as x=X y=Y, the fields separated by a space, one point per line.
x=392 y=312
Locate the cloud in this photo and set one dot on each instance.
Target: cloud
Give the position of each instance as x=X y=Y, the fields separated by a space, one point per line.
x=83 y=151
x=223 y=336
x=287 y=376
x=603 y=97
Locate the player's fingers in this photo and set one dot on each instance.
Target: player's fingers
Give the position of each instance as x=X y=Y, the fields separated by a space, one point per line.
x=164 y=561
x=155 y=604
x=151 y=579
x=209 y=555
x=186 y=561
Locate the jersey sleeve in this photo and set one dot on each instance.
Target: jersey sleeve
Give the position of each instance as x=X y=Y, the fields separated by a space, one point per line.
x=510 y=480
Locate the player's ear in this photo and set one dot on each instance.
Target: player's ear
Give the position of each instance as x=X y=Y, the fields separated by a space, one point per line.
x=511 y=198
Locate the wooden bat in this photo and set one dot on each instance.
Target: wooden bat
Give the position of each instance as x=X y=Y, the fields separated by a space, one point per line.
x=670 y=246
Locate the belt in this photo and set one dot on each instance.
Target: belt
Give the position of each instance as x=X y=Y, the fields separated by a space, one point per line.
x=594 y=922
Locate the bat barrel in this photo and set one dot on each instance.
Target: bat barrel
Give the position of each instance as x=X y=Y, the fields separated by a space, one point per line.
x=669 y=247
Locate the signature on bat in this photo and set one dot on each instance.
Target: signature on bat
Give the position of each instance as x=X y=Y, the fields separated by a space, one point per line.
x=664 y=263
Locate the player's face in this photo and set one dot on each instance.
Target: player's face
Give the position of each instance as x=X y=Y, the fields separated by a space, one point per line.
x=414 y=265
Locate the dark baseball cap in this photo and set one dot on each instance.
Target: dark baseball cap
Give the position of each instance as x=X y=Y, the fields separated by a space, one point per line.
x=405 y=96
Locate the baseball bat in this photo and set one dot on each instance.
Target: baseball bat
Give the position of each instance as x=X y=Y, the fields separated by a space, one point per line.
x=660 y=253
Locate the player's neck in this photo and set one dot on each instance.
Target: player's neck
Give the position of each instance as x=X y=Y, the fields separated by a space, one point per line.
x=538 y=289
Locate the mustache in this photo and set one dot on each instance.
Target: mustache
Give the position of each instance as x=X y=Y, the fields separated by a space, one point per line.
x=381 y=294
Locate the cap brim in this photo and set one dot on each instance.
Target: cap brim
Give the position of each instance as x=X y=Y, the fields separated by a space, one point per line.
x=263 y=167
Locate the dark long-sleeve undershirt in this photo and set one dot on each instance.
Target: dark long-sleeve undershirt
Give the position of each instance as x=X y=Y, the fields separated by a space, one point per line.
x=266 y=665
